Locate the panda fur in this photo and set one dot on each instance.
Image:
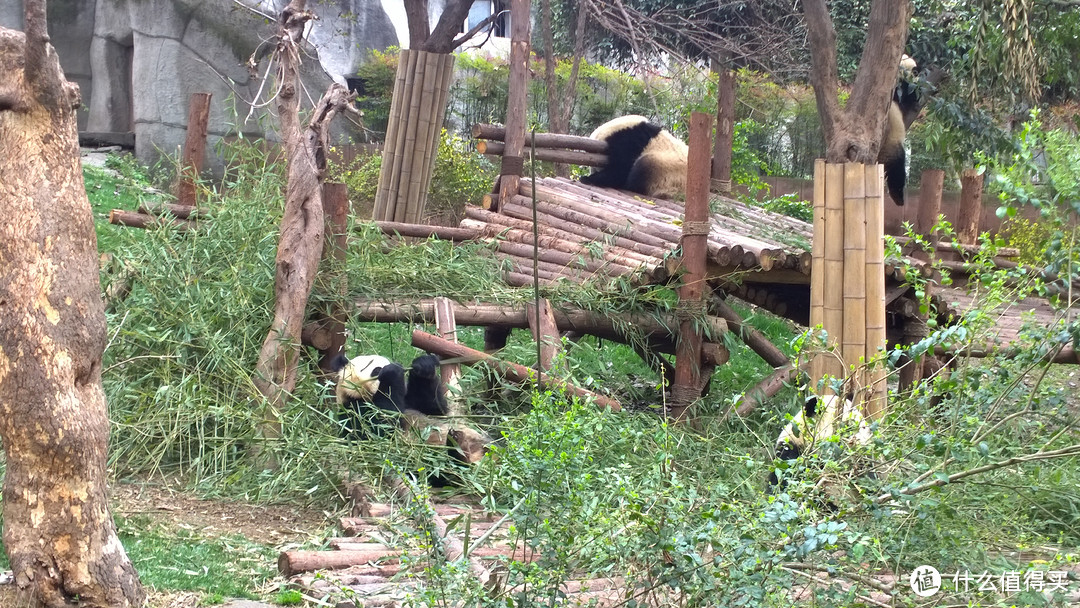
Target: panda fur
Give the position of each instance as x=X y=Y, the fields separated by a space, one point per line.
x=368 y=380
x=643 y=157
x=425 y=392
x=809 y=427
x=902 y=111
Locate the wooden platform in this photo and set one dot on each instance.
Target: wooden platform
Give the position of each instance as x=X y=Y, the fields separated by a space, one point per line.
x=588 y=233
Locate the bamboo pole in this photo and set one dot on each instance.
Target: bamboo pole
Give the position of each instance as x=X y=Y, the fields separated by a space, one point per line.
x=875 y=290
x=833 y=265
x=854 y=277
x=422 y=147
x=408 y=160
x=817 y=276
x=384 y=202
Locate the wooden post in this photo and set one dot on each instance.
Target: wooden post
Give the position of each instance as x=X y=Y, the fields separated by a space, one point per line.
x=915 y=329
x=874 y=212
x=694 y=245
x=817 y=265
x=446 y=325
x=545 y=331
x=194 y=149
x=725 y=125
x=967 y=225
x=833 y=281
x=513 y=163
x=336 y=209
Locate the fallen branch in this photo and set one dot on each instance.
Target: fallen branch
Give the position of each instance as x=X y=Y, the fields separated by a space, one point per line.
x=132 y=219
x=510 y=371
x=1072 y=450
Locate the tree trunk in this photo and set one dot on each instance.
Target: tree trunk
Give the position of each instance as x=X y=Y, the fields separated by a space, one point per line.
x=561 y=101
x=301 y=241
x=58 y=531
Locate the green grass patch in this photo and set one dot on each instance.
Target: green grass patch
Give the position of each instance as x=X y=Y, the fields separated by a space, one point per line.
x=228 y=566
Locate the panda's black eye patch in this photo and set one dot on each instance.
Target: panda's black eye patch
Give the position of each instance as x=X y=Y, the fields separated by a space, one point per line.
x=376 y=372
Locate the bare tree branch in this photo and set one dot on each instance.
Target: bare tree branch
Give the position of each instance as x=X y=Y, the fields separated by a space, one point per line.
x=442 y=37
x=479 y=27
x=824 y=76
x=416 y=15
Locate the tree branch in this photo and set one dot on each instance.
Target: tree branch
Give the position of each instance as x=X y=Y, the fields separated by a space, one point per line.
x=442 y=37
x=1072 y=450
x=416 y=15
x=824 y=76
x=479 y=27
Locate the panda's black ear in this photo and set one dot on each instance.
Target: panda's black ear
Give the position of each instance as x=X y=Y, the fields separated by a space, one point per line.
x=810 y=406
x=339 y=362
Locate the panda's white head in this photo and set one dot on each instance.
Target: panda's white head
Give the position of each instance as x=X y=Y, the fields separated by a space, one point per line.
x=819 y=420
x=358 y=378
x=907 y=67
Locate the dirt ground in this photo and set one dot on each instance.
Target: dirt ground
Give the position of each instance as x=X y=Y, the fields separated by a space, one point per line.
x=168 y=506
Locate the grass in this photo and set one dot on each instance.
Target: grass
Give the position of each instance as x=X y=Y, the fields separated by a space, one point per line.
x=222 y=567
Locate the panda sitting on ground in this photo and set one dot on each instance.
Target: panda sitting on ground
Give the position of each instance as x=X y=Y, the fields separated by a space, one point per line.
x=811 y=428
x=372 y=384
x=642 y=157
x=903 y=109
x=372 y=388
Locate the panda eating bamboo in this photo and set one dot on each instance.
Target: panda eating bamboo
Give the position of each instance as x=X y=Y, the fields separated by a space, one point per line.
x=820 y=421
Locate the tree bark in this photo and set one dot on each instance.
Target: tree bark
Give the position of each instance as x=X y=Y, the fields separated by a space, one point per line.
x=561 y=101
x=58 y=531
x=302 y=227
x=853 y=133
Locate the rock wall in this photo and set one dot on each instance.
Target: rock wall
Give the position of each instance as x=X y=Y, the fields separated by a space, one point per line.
x=138 y=61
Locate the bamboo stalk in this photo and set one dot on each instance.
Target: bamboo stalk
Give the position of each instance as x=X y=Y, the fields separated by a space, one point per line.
x=817 y=279
x=833 y=264
x=414 y=188
x=383 y=200
x=875 y=290
x=854 y=284
x=410 y=163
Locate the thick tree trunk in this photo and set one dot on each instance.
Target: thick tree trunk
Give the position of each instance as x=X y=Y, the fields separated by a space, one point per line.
x=302 y=227
x=58 y=532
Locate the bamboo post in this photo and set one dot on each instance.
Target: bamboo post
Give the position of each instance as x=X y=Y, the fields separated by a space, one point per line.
x=513 y=163
x=336 y=210
x=725 y=125
x=194 y=149
x=854 y=278
x=971 y=187
x=694 y=245
x=817 y=268
x=833 y=282
x=422 y=146
x=394 y=146
x=874 y=210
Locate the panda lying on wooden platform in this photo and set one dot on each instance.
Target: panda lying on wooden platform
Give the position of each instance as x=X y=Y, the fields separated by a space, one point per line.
x=643 y=157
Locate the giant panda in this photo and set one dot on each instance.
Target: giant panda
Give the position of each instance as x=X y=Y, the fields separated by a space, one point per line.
x=902 y=111
x=365 y=381
x=810 y=428
x=643 y=157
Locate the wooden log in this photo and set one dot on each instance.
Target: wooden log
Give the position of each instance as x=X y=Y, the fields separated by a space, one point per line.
x=194 y=152
x=424 y=231
x=294 y=562
x=139 y=220
x=931 y=186
x=750 y=336
x=766 y=389
x=515 y=210
x=967 y=225
x=694 y=246
x=510 y=371
x=554 y=155
x=336 y=211
x=178 y=211
x=606 y=326
x=960 y=248
x=99 y=139
x=544 y=140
